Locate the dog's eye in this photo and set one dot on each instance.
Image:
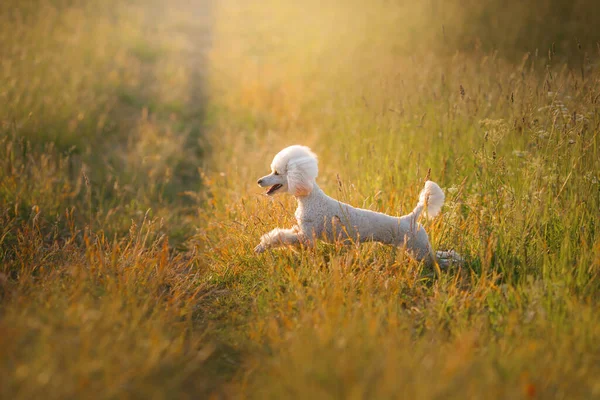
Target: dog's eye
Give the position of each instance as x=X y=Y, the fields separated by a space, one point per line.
x=275 y=173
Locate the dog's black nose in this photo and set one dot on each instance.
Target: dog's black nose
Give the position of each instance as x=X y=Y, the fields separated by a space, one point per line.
x=259 y=181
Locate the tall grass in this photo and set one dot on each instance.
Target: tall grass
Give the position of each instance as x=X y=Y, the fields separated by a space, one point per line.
x=126 y=241
x=513 y=143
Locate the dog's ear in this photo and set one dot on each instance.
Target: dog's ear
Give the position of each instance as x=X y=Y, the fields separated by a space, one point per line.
x=301 y=175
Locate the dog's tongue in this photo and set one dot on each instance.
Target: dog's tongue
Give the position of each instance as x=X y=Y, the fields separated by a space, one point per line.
x=273 y=188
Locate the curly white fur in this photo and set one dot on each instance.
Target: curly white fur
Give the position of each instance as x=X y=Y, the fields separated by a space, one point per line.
x=294 y=170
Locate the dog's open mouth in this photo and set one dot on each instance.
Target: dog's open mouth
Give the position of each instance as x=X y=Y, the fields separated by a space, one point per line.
x=274 y=188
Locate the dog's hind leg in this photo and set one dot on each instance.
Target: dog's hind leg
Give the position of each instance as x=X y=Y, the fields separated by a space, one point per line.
x=448 y=257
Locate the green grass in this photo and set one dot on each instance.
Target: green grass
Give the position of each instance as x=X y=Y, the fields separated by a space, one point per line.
x=132 y=137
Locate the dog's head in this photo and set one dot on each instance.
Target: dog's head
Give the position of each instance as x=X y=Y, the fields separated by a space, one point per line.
x=293 y=170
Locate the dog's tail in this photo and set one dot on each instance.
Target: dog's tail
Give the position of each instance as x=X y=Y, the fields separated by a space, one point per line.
x=432 y=198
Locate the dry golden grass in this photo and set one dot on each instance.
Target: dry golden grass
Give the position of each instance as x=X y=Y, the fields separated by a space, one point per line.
x=129 y=208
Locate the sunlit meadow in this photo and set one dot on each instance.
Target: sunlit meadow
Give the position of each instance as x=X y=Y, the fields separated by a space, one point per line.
x=132 y=135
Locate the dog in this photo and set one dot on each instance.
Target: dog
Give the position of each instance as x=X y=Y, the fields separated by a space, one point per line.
x=294 y=170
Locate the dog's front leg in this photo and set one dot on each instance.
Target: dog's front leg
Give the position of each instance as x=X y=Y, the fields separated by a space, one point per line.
x=279 y=237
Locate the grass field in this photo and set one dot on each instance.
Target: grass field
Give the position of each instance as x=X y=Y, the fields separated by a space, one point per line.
x=132 y=135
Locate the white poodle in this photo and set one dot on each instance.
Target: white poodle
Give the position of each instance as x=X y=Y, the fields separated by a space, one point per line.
x=294 y=170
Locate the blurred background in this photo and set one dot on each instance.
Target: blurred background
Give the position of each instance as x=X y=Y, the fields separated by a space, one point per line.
x=132 y=79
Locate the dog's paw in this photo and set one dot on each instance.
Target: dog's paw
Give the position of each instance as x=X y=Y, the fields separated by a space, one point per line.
x=260 y=249
x=448 y=258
